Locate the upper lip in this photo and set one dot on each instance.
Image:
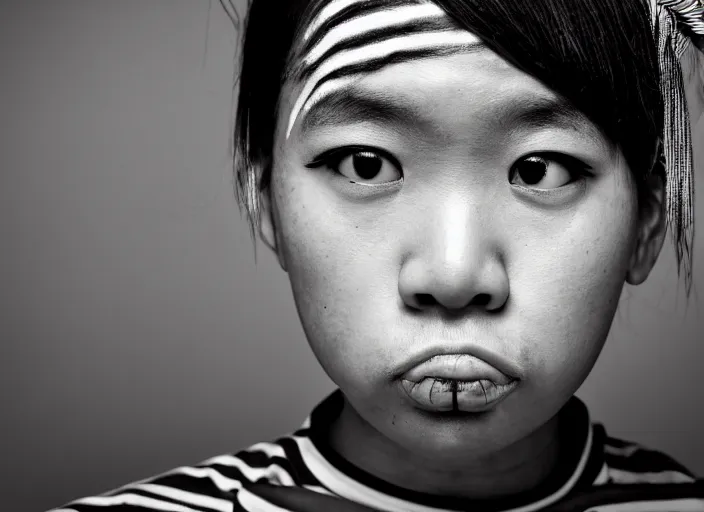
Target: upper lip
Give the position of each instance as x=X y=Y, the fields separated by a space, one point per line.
x=499 y=362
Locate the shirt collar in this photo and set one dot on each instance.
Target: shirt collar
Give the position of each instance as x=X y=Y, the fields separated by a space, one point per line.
x=578 y=468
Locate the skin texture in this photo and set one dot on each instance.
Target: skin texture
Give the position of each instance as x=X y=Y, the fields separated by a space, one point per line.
x=451 y=257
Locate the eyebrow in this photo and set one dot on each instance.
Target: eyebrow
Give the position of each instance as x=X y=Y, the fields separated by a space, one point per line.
x=353 y=105
x=542 y=112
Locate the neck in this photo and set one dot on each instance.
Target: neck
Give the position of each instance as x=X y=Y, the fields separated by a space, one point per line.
x=516 y=469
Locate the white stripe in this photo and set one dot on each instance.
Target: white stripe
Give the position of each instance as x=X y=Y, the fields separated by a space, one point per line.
x=253 y=503
x=325 y=89
x=319 y=490
x=380 y=19
x=625 y=451
x=187 y=497
x=64 y=510
x=603 y=476
x=352 y=490
x=654 y=12
x=620 y=476
x=133 y=499
x=682 y=505
x=427 y=40
x=326 y=13
x=273 y=472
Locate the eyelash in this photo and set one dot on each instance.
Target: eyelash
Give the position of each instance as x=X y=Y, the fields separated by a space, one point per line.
x=333 y=157
x=577 y=168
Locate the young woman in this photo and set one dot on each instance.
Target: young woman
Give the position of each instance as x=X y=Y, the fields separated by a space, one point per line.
x=458 y=191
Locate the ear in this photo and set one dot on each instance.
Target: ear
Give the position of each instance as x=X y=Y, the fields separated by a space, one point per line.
x=652 y=229
x=268 y=231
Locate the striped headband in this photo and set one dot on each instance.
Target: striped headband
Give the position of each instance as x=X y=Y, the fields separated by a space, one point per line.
x=350 y=37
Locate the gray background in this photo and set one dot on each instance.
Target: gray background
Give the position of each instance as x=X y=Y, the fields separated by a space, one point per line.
x=137 y=332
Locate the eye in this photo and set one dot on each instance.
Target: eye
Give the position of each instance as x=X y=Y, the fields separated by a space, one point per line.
x=369 y=166
x=547 y=171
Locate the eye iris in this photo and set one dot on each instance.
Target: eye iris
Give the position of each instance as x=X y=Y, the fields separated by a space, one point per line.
x=367 y=165
x=532 y=170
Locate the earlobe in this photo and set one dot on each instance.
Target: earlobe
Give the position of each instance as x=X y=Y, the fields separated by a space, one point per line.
x=267 y=225
x=652 y=229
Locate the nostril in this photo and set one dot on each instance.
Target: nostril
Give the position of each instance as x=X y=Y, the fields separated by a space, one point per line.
x=481 y=299
x=425 y=299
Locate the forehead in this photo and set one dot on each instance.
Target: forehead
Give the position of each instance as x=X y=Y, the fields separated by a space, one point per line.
x=349 y=38
x=448 y=98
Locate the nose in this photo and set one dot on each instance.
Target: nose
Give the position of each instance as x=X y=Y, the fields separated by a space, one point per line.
x=454 y=261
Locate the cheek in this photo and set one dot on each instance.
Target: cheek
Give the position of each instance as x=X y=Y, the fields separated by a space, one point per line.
x=340 y=274
x=566 y=288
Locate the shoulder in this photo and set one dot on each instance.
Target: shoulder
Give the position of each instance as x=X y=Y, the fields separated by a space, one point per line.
x=627 y=462
x=627 y=476
x=213 y=484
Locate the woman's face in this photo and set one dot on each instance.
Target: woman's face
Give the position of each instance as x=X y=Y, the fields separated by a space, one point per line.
x=452 y=206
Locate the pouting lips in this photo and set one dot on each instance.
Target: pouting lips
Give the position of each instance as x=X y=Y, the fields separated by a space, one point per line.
x=439 y=394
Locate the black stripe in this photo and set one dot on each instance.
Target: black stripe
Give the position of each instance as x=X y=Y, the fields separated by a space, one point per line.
x=349 y=13
x=293 y=454
x=302 y=432
x=645 y=461
x=627 y=493
x=325 y=414
x=375 y=36
x=617 y=443
x=255 y=458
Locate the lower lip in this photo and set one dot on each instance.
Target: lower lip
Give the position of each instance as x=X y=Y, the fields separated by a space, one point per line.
x=448 y=395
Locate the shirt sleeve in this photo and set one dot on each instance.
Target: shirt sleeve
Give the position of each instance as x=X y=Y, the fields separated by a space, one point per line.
x=203 y=488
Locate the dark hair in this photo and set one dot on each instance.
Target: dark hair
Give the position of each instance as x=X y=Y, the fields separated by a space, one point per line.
x=600 y=55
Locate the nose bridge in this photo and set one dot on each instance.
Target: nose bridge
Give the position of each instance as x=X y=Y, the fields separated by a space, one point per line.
x=456 y=237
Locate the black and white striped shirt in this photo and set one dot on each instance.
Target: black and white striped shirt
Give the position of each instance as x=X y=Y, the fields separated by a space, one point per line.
x=601 y=474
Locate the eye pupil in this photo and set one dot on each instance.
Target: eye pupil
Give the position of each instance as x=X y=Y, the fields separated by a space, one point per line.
x=532 y=170
x=367 y=165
